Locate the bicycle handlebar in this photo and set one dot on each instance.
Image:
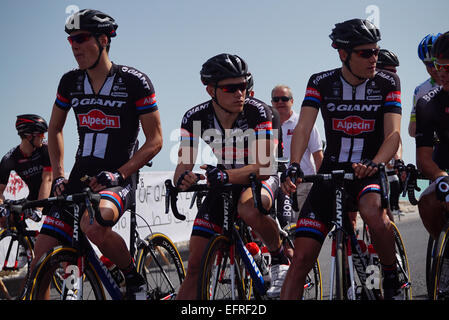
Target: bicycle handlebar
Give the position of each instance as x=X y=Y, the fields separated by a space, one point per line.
x=87 y=196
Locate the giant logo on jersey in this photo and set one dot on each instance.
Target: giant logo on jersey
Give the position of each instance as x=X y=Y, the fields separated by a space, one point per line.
x=353 y=125
x=97 y=120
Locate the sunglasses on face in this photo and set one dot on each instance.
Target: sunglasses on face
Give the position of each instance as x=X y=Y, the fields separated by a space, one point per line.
x=231 y=88
x=441 y=66
x=79 y=38
x=366 y=53
x=283 y=98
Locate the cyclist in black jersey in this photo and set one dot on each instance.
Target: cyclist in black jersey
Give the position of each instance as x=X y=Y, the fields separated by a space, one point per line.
x=30 y=161
x=432 y=117
x=109 y=102
x=361 y=109
x=239 y=131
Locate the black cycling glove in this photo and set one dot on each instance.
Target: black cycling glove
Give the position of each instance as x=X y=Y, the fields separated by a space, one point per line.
x=216 y=177
x=293 y=171
x=109 y=179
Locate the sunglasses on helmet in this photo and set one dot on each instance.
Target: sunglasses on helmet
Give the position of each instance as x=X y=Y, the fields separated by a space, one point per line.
x=79 y=38
x=231 y=88
x=367 y=53
x=283 y=98
x=441 y=66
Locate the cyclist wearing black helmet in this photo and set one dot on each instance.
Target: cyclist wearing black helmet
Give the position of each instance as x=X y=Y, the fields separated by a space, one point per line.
x=30 y=161
x=387 y=60
x=432 y=118
x=361 y=111
x=239 y=130
x=110 y=102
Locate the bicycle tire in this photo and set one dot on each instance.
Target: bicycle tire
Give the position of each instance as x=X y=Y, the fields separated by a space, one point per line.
x=440 y=267
x=49 y=264
x=160 y=263
x=10 y=240
x=429 y=261
x=341 y=281
x=401 y=256
x=215 y=280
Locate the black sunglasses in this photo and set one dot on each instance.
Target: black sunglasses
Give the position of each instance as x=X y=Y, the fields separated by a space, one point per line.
x=79 y=38
x=367 y=53
x=283 y=98
x=233 y=87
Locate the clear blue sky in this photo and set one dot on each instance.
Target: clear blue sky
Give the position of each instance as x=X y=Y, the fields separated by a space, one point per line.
x=283 y=41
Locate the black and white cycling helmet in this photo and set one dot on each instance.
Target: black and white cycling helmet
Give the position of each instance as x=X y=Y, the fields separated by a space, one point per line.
x=93 y=21
x=354 y=32
x=223 y=66
x=30 y=123
x=387 y=58
x=440 y=48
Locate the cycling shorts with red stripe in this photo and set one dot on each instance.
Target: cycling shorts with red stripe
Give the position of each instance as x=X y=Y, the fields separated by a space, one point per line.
x=209 y=220
x=315 y=218
x=58 y=222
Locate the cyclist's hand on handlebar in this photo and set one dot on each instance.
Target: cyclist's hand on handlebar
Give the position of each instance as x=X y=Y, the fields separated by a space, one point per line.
x=215 y=177
x=291 y=177
x=365 y=168
x=187 y=179
x=105 y=179
x=59 y=185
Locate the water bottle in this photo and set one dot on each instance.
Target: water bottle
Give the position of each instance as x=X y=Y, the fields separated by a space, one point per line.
x=254 y=249
x=117 y=275
x=22 y=257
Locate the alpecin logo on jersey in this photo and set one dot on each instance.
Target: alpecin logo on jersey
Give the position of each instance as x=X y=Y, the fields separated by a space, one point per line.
x=353 y=125
x=97 y=120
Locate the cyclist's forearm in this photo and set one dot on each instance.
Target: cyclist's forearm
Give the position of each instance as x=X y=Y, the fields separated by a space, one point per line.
x=147 y=152
x=426 y=164
x=56 y=152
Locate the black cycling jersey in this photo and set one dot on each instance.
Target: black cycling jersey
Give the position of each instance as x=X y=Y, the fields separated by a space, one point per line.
x=29 y=168
x=432 y=118
x=353 y=115
x=108 y=122
x=254 y=122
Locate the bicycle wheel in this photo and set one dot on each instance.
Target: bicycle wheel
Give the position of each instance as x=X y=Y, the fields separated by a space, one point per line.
x=341 y=266
x=404 y=268
x=220 y=279
x=62 y=262
x=429 y=260
x=440 y=267
x=16 y=254
x=160 y=263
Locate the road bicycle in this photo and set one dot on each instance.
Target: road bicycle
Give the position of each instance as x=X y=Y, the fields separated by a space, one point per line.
x=355 y=275
x=229 y=271
x=83 y=275
x=437 y=256
x=16 y=246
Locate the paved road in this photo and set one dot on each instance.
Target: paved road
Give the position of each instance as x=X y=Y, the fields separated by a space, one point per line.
x=415 y=238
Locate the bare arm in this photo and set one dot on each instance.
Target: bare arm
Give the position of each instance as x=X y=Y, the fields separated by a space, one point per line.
x=45 y=188
x=389 y=147
x=426 y=164
x=56 y=141
x=318 y=159
x=301 y=134
x=152 y=129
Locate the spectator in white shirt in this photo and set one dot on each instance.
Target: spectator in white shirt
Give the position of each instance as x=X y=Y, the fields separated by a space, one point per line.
x=282 y=100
